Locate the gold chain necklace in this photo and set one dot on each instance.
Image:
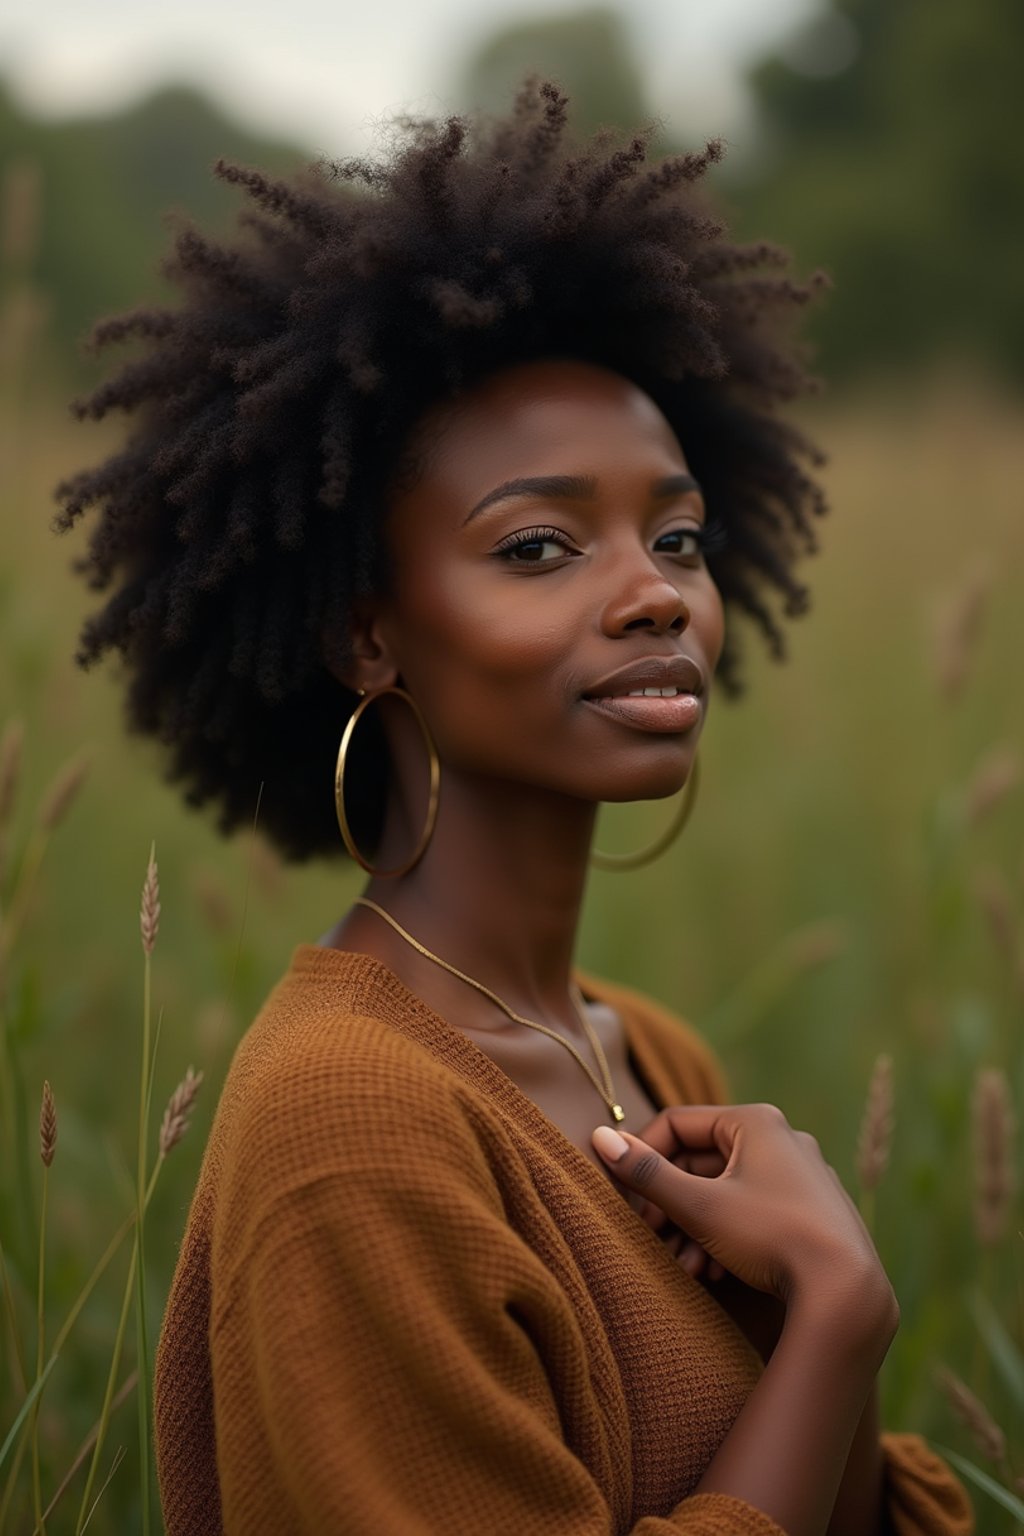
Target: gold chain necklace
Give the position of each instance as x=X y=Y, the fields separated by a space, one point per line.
x=607 y=1091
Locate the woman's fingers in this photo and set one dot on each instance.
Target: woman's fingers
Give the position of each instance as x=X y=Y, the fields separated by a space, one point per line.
x=652 y=1214
x=706 y=1165
x=665 y=1134
x=641 y=1167
x=685 y=1128
x=769 y=1209
x=698 y=1262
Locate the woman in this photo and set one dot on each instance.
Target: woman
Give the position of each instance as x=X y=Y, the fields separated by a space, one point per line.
x=468 y=453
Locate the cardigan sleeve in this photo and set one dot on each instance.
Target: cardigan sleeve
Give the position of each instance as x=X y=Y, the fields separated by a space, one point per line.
x=381 y=1341
x=924 y=1496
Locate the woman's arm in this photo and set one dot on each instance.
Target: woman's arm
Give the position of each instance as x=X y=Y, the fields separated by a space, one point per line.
x=805 y=1447
x=790 y=1447
x=860 y=1507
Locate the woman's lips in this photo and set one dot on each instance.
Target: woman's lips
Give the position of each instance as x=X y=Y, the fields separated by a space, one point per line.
x=651 y=714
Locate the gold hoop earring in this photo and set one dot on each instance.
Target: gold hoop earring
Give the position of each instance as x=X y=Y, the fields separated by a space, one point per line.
x=624 y=861
x=366 y=699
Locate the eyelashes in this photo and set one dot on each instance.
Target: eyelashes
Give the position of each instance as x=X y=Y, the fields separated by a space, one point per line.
x=526 y=536
x=712 y=538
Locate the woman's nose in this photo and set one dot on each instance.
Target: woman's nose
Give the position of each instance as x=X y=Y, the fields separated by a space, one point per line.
x=645 y=598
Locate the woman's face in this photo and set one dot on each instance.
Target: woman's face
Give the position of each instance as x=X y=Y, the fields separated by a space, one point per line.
x=513 y=599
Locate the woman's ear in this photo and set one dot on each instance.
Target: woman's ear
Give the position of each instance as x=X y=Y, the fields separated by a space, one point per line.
x=366 y=660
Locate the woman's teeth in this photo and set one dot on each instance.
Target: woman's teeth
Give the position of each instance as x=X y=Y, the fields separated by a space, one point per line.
x=652 y=693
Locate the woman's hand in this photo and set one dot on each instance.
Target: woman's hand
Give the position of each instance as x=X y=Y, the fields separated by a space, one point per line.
x=775 y=1215
x=658 y=1133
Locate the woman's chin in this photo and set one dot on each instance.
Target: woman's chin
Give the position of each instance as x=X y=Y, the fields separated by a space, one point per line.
x=659 y=783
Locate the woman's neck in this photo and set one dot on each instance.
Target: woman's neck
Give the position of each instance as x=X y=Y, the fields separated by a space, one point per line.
x=499 y=890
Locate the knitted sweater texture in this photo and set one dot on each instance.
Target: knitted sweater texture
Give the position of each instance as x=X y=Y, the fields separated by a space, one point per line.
x=407 y=1304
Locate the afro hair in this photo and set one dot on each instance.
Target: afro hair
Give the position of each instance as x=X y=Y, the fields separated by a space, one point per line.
x=273 y=408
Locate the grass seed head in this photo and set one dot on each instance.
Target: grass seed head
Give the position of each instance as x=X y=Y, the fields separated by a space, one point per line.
x=179 y=1109
x=971 y=1411
x=957 y=631
x=996 y=903
x=994 y=1176
x=10 y=767
x=47 y=1126
x=267 y=867
x=149 y=914
x=62 y=791
x=214 y=901
x=995 y=777
x=876 y=1127
x=818 y=943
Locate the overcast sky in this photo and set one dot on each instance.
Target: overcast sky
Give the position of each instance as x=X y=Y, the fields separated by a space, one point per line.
x=322 y=71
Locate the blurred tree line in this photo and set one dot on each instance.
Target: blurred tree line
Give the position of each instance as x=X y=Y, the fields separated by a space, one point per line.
x=902 y=172
x=886 y=145
x=84 y=203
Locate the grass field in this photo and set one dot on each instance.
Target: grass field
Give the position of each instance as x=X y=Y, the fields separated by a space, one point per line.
x=851 y=883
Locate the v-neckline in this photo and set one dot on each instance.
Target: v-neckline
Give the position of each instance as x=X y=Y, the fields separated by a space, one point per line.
x=444 y=1040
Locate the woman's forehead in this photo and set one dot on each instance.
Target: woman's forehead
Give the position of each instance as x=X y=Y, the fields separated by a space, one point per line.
x=544 y=416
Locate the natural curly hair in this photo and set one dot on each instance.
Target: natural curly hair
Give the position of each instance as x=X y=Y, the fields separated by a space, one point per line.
x=275 y=407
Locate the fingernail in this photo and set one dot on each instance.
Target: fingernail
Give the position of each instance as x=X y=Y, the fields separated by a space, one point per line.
x=609 y=1143
x=690 y=1259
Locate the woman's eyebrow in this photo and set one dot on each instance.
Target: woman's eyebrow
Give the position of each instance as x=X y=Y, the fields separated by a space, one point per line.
x=573 y=487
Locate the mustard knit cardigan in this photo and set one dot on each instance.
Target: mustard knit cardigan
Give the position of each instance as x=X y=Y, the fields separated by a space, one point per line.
x=407 y=1304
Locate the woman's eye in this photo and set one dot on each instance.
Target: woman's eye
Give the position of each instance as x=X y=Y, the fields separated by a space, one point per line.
x=527 y=546
x=695 y=539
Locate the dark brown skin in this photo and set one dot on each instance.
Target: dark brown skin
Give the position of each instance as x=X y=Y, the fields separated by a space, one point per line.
x=497 y=653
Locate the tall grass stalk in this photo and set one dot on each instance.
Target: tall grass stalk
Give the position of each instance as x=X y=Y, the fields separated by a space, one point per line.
x=149 y=920
x=12 y=1324
x=22 y=1436
x=58 y=1344
x=47 y=1146
x=11 y=749
x=24 y=1411
x=37 y=1491
x=54 y=807
x=996 y=1492
x=127 y=1386
x=175 y=1123
x=994 y=1185
x=874 y=1142
x=84 y=1509
x=149 y=923
x=118 y=1458
x=87 y=1289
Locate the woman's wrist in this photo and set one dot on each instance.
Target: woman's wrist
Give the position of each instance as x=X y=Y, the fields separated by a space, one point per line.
x=852 y=1310
x=788 y=1449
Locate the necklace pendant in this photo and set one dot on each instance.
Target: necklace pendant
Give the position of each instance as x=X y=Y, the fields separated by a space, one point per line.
x=618 y=1112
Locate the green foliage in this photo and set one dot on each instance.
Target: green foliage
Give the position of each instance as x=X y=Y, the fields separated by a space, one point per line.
x=589 y=52
x=105 y=184
x=902 y=175
x=999 y=1495
x=887 y=149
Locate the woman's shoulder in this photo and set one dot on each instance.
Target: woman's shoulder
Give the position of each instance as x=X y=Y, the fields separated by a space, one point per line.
x=335 y=1068
x=671 y=1048
x=333 y=1035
